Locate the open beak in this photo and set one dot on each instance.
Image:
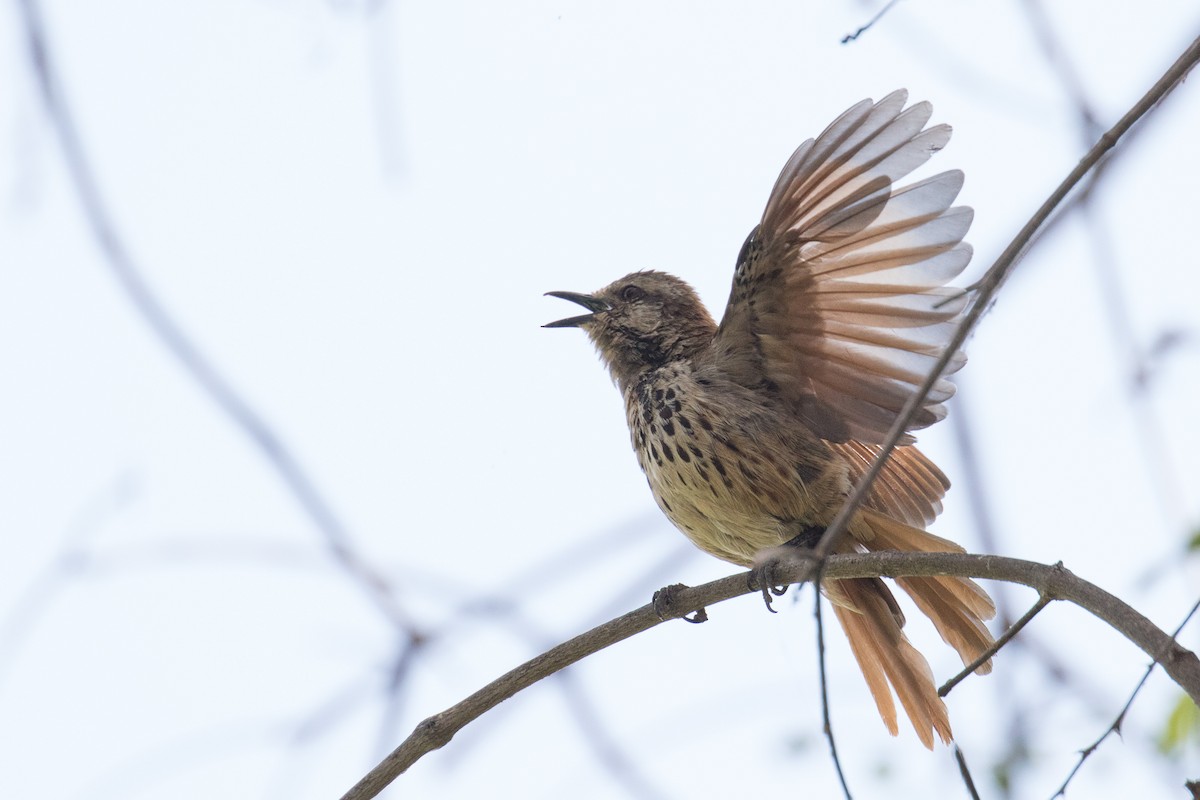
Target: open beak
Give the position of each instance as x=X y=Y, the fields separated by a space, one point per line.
x=593 y=304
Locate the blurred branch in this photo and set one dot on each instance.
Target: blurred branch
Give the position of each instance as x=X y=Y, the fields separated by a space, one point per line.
x=1153 y=439
x=1050 y=581
x=1056 y=55
x=971 y=481
x=383 y=65
x=605 y=745
x=34 y=600
x=129 y=277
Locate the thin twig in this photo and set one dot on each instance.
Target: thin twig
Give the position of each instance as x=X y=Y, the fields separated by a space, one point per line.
x=850 y=37
x=995 y=277
x=1115 y=727
x=1012 y=631
x=826 y=722
x=1052 y=581
x=965 y=771
x=1153 y=438
x=623 y=767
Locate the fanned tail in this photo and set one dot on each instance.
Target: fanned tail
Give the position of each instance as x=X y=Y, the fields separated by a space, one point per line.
x=874 y=625
x=956 y=606
x=872 y=622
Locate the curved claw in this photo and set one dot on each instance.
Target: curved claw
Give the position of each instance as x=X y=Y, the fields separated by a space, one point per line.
x=664 y=599
x=766 y=593
x=762 y=578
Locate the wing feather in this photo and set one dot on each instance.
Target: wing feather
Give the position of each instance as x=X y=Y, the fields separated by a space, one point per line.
x=839 y=300
x=910 y=487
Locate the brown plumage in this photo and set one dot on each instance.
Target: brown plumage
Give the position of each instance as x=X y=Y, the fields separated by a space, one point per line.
x=753 y=432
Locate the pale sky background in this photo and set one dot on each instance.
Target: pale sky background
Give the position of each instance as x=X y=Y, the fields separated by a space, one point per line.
x=353 y=210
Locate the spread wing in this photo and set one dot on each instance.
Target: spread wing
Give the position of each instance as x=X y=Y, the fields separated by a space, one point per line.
x=839 y=300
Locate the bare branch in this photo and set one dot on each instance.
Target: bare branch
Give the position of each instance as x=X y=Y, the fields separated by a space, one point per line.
x=1054 y=582
x=1012 y=631
x=850 y=37
x=965 y=771
x=826 y=723
x=1115 y=727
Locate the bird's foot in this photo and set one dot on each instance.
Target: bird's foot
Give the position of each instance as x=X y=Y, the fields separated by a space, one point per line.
x=665 y=598
x=762 y=577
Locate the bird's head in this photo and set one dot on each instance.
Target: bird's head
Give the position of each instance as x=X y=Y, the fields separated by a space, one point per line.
x=641 y=322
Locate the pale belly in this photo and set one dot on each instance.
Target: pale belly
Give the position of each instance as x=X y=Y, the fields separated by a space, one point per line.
x=729 y=470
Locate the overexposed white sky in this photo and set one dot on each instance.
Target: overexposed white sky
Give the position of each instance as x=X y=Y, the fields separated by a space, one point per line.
x=353 y=209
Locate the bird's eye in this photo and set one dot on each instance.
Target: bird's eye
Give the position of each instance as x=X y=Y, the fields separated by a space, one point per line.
x=631 y=293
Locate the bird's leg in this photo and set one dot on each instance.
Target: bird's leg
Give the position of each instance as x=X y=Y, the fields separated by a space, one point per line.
x=664 y=598
x=762 y=577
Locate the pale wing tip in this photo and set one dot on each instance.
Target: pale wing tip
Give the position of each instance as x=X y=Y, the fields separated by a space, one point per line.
x=924 y=107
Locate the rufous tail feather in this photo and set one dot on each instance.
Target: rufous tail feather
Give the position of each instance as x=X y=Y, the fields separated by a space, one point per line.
x=956 y=606
x=874 y=625
x=864 y=607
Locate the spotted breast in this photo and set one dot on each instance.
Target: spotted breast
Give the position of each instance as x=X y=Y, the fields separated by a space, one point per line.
x=699 y=439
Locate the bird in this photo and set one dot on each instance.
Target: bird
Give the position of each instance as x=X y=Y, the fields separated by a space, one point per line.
x=752 y=432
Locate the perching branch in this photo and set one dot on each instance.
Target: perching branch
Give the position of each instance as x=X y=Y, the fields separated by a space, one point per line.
x=1054 y=582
